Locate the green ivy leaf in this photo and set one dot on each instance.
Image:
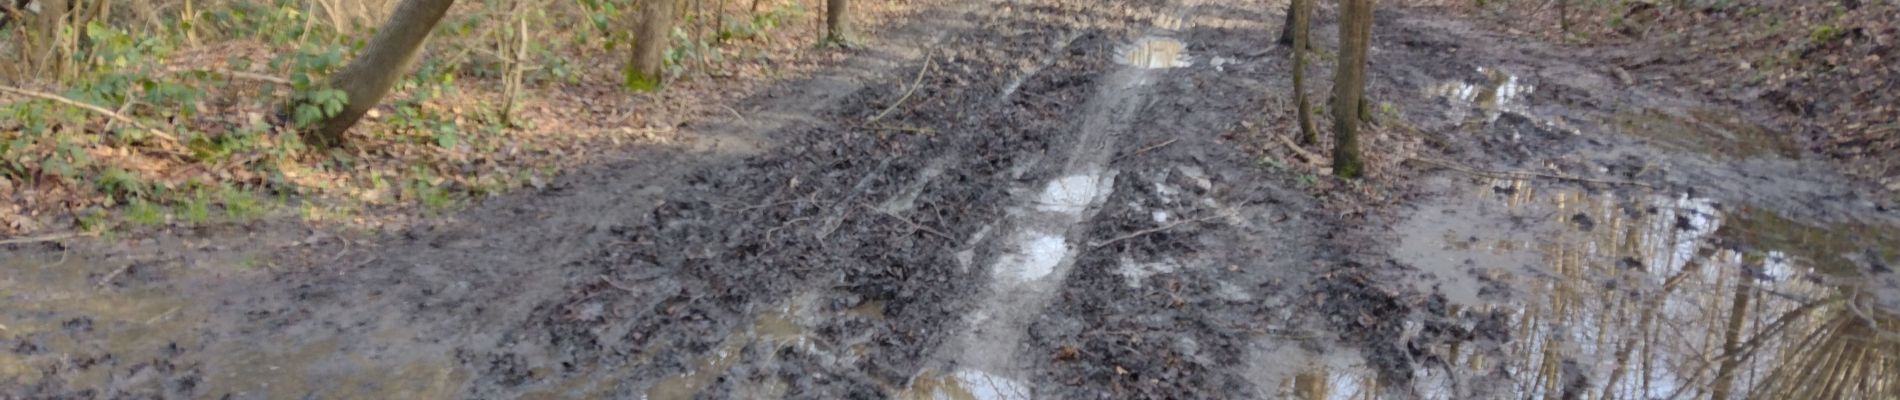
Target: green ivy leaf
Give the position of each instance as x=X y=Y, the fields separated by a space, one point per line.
x=307 y=114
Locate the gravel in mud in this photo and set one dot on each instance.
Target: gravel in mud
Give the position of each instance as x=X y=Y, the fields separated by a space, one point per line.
x=1062 y=205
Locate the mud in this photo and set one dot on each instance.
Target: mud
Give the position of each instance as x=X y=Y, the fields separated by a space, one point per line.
x=1060 y=208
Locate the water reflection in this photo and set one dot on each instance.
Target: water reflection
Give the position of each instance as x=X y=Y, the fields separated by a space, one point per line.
x=1500 y=92
x=1644 y=296
x=774 y=328
x=1155 y=52
x=1717 y=132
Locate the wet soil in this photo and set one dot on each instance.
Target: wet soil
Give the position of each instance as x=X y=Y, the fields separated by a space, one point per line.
x=1061 y=206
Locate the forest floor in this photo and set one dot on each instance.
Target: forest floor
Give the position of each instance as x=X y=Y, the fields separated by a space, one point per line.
x=1046 y=198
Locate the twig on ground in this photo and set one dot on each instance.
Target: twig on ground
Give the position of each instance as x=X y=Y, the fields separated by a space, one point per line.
x=41 y=238
x=1149 y=231
x=913 y=224
x=913 y=89
x=97 y=109
x=1526 y=174
x=162 y=316
x=616 y=284
x=241 y=75
x=883 y=127
x=257 y=77
x=1155 y=146
x=1295 y=147
x=755 y=207
x=735 y=113
x=122 y=109
x=107 y=280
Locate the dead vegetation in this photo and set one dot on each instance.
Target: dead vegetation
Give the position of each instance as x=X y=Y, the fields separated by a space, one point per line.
x=133 y=114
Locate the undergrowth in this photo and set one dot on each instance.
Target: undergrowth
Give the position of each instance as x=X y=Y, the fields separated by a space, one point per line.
x=174 y=113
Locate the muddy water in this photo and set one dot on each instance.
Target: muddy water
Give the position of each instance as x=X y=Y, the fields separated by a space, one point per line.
x=1647 y=295
x=1713 y=132
x=103 y=326
x=1155 y=52
x=1035 y=251
x=772 y=330
x=54 y=305
x=1485 y=100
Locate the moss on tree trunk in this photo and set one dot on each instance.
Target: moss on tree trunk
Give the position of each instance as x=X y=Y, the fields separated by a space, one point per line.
x=1349 y=86
x=645 y=65
x=837 y=25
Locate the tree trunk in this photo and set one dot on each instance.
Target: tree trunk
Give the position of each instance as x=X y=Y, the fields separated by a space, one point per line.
x=1349 y=86
x=1563 y=18
x=1287 y=29
x=1294 y=11
x=837 y=29
x=645 y=66
x=1300 y=25
x=390 y=53
x=1731 y=341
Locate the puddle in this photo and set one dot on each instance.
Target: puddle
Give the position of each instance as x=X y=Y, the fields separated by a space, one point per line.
x=1040 y=246
x=1071 y=194
x=1036 y=256
x=1154 y=53
x=1831 y=248
x=964 y=385
x=775 y=328
x=1714 y=132
x=1136 y=272
x=57 y=317
x=1651 y=296
x=1500 y=92
x=55 y=307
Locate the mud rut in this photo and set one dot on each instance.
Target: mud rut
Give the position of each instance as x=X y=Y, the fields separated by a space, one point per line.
x=1058 y=210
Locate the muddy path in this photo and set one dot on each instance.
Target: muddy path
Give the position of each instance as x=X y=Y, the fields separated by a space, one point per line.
x=1037 y=199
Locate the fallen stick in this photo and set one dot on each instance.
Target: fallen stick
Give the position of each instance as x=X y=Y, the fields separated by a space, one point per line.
x=1310 y=157
x=254 y=77
x=913 y=224
x=1526 y=174
x=237 y=74
x=1149 y=231
x=883 y=127
x=913 y=89
x=41 y=238
x=107 y=280
x=100 y=110
x=1156 y=146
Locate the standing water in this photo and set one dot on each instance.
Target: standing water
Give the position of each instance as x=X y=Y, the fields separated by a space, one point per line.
x=1631 y=296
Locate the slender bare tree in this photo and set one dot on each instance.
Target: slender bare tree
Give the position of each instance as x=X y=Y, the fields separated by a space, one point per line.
x=1295 y=10
x=1349 y=86
x=837 y=27
x=644 y=69
x=1300 y=25
x=1286 y=28
x=390 y=53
